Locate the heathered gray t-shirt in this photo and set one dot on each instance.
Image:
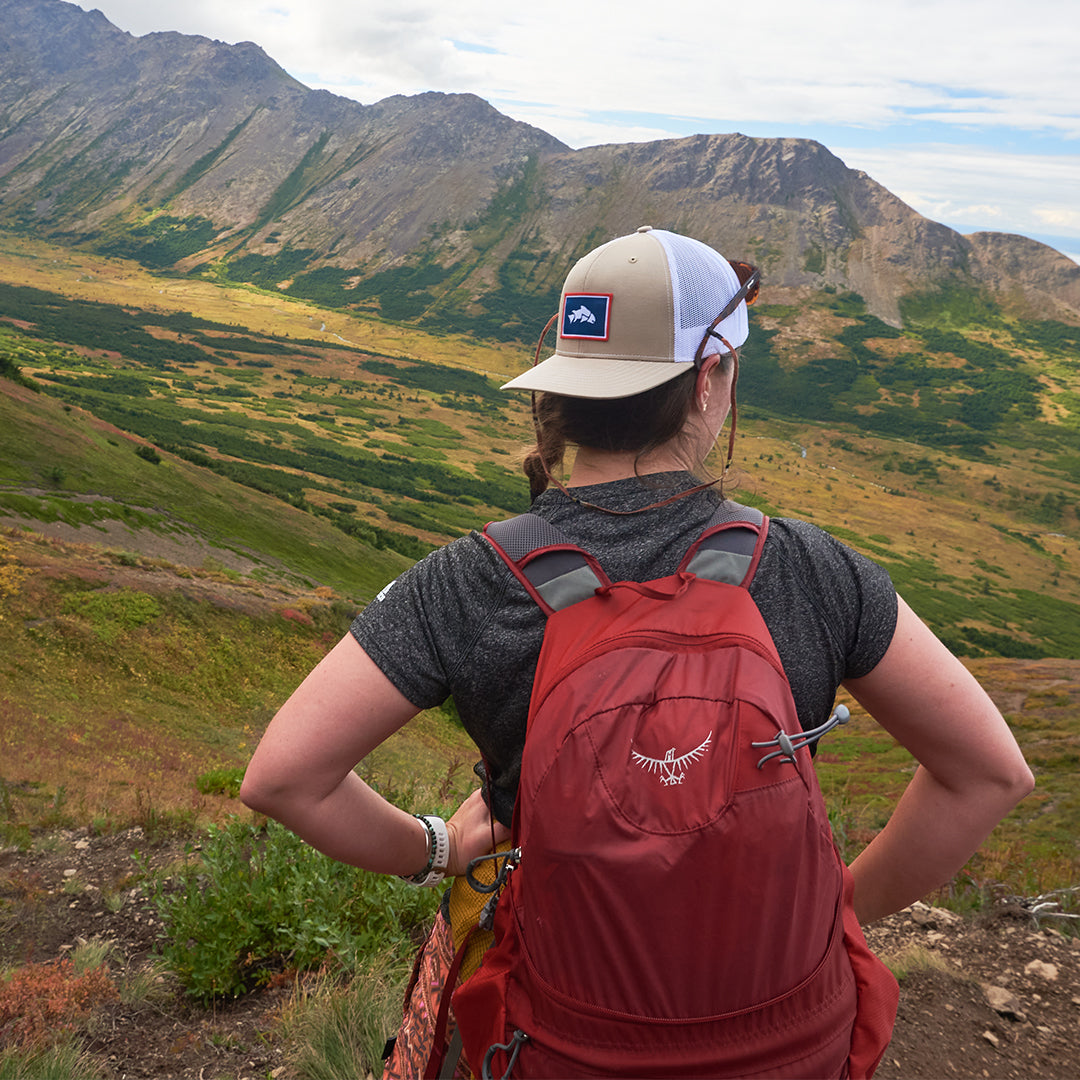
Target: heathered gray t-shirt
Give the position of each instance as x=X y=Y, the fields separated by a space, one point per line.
x=460 y=623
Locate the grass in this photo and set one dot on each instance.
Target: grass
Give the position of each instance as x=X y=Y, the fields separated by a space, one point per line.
x=138 y=705
x=914 y=957
x=141 y=705
x=25 y=261
x=66 y=1061
x=363 y=426
x=198 y=510
x=334 y=1029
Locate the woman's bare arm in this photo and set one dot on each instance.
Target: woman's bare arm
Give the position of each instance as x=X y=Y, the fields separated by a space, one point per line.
x=302 y=775
x=971 y=772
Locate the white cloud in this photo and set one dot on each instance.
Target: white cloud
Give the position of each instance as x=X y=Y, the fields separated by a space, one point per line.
x=823 y=63
x=1059 y=219
x=1024 y=193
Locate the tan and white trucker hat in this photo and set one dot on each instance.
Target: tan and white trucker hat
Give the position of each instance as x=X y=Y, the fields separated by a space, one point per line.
x=636 y=310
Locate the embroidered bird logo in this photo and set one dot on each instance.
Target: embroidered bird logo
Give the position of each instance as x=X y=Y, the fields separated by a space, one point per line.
x=672 y=769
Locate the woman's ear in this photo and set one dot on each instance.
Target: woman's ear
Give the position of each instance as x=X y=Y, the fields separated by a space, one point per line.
x=703 y=386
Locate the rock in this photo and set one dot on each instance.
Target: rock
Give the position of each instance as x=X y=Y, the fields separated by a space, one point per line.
x=991 y=1038
x=70 y=873
x=934 y=918
x=1042 y=970
x=82 y=845
x=1004 y=1003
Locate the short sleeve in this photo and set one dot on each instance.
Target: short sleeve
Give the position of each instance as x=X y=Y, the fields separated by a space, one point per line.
x=830 y=610
x=419 y=629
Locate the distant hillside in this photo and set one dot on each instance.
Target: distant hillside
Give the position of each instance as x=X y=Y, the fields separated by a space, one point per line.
x=189 y=153
x=333 y=448
x=77 y=477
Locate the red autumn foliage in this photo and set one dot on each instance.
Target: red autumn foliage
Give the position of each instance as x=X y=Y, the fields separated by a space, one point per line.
x=40 y=1001
x=301 y=617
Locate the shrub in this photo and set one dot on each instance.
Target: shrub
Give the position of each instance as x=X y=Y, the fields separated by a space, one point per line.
x=220 y=782
x=301 y=617
x=112 y=614
x=259 y=902
x=41 y=1002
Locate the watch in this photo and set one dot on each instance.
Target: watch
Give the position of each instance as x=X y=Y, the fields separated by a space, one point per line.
x=438 y=852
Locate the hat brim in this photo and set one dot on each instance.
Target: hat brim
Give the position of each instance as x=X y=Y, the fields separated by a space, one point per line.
x=576 y=376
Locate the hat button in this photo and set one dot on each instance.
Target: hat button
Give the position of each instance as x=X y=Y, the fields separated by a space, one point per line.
x=645 y=228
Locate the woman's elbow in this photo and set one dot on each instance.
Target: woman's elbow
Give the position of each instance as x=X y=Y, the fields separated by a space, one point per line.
x=1010 y=783
x=1022 y=782
x=261 y=793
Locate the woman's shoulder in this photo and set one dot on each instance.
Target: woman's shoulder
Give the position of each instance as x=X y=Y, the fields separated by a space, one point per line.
x=799 y=554
x=797 y=538
x=457 y=564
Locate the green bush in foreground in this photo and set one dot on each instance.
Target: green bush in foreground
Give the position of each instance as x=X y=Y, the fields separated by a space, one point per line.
x=259 y=901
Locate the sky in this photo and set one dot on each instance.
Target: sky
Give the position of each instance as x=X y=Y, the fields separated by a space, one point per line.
x=968 y=110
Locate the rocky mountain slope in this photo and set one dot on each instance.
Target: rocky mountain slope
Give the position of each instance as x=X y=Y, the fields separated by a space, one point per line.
x=186 y=151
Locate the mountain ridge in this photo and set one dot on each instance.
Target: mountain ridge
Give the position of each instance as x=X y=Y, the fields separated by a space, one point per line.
x=198 y=154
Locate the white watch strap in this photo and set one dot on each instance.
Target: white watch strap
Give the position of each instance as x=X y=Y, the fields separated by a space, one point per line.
x=438 y=854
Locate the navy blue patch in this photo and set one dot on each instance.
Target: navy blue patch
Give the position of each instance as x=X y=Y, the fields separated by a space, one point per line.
x=586 y=315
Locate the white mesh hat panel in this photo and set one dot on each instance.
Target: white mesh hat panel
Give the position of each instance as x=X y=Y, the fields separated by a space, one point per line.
x=702 y=281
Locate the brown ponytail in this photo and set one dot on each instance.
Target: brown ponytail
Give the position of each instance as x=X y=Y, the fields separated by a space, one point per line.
x=547 y=456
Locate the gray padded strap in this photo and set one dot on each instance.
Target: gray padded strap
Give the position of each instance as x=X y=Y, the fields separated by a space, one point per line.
x=563 y=578
x=726 y=566
x=566 y=589
x=729 y=511
x=519 y=535
x=727 y=556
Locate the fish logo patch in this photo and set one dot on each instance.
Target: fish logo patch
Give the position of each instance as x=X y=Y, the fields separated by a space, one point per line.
x=586 y=316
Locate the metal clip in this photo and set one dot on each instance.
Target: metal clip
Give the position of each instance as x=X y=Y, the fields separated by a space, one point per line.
x=788 y=744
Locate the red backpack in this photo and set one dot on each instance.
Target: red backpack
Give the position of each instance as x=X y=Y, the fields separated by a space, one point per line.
x=674 y=903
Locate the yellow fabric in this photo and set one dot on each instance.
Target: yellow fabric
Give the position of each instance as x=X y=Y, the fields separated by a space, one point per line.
x=465 y=907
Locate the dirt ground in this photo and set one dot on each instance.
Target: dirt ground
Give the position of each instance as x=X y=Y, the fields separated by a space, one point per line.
x=950 y=1025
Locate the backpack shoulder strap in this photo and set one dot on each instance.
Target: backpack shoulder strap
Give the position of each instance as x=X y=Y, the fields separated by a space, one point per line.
x=729 y=547
x=555 y=571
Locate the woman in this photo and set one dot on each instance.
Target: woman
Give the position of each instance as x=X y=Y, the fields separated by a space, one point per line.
x=641 y=383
